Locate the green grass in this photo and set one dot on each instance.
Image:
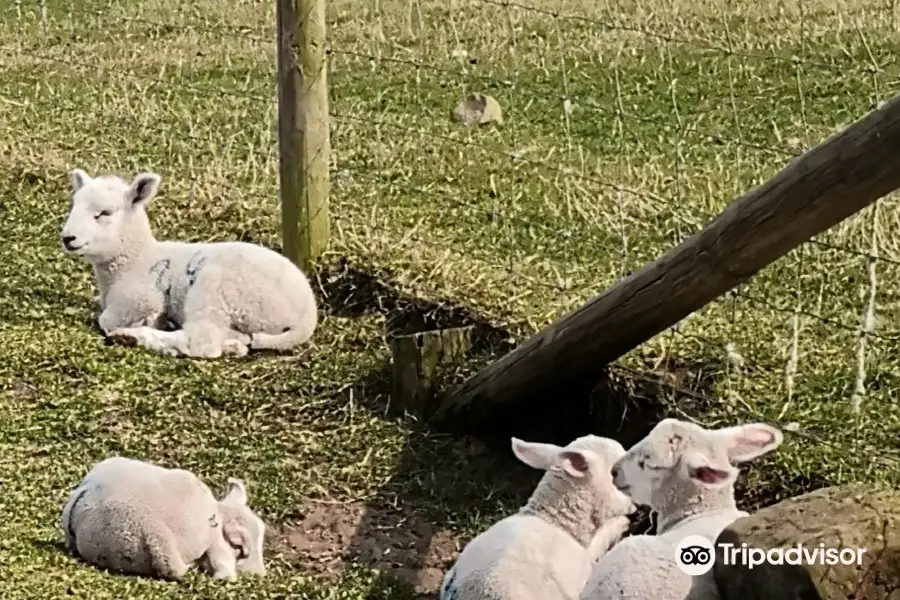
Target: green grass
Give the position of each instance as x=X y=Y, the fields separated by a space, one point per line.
x=677 y=109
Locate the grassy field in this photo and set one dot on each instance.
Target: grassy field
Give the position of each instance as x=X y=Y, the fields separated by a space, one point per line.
x=674 y=108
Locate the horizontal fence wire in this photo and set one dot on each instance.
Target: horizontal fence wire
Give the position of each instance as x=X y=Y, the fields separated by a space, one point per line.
x=788 y=307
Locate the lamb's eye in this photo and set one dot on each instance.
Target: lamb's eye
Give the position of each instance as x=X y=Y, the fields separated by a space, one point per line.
x=103 y=213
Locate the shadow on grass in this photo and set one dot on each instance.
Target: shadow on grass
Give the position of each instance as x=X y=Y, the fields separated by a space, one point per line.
x=47 y=546
x=446 y=483
x=407 y=531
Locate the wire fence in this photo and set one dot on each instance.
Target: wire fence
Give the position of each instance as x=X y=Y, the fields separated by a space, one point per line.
x=626 y=128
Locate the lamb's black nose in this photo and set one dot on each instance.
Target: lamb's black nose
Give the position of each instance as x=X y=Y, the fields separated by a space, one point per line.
x=614 y=472
x=67 y=241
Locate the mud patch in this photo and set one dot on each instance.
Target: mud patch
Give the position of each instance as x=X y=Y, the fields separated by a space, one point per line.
x=397 y=542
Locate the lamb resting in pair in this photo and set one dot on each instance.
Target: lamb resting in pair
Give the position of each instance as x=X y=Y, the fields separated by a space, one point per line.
x=685 y=474
x=545 y=551
x=225 y=298
x=138 y=518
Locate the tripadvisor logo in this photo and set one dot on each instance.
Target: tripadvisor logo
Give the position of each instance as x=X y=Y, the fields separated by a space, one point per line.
x=696 y=555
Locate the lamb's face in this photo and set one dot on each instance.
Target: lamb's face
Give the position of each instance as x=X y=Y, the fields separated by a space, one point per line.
x=243 y=529
x=250 y=556
x=678 y=452
x=650 y=463
x=103 y=210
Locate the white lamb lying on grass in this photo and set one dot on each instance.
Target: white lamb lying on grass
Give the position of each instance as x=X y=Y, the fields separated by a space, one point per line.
x=545 y=551
x=685 y=474
x=138 y=518
x=226 y=297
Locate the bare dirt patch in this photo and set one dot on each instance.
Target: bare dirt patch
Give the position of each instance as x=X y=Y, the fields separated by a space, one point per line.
x=395 y=541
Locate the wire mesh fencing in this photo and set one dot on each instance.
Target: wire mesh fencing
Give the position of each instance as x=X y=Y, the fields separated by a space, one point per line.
x=626 y=126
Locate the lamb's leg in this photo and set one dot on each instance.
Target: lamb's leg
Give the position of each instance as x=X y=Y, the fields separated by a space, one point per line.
x=207 y=320
x=206 y=339
x=235 y=344
x=607 y=535
x=112 y=319
x=165 y=557
x=196 y=340
x=169 y=343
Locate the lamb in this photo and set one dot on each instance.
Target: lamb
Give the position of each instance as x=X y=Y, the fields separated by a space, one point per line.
x=138 y=518
x=545 y=551
x=224 y=298
x=642 y=567
x=684 y=473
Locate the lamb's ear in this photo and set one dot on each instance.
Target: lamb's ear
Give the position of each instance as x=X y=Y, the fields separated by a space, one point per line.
x=236 y=491
x=237 y=536
x=746 y=442
x=575 y=462
x=143 y=188
x=704 y=471
x=79 y=177
x=535 y=454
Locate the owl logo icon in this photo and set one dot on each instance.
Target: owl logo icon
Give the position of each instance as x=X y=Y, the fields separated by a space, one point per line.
x=695 y=555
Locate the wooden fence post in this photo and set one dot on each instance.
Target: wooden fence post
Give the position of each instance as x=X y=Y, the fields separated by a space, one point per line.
x=303 y=136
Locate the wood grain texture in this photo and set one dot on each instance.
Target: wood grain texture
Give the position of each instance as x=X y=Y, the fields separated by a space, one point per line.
x=419 y=363
x=303 y=134
x=814 y=192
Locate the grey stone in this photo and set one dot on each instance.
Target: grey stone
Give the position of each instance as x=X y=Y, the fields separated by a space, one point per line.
x=839 y=517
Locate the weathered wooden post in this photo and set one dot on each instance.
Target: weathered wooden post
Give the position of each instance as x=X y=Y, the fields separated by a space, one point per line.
x=419 y=362
x=303 y=135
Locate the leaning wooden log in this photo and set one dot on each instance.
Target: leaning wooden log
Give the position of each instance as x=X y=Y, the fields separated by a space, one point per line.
x=817 y=190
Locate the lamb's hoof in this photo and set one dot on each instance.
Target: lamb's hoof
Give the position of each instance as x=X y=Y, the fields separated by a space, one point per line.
x=234 y=348
x=122 y=339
